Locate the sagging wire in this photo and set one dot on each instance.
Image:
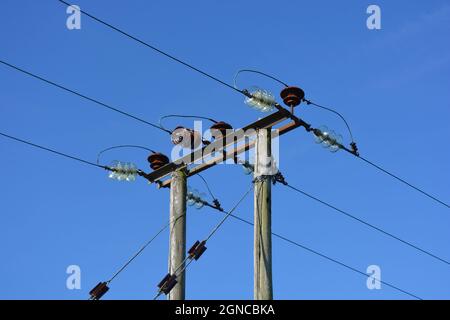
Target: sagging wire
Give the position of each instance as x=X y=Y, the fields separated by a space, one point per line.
x=257 y=72
x=124 y=171
x=267 y=96
x=216 y=201
x=182 y=116
x=120 y=147
x=309 y=102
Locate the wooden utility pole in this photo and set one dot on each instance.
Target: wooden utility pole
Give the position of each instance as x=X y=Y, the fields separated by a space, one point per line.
x=177 y=238
x=263 y=216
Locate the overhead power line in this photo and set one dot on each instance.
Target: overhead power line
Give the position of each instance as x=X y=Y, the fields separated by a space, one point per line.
x=98 y=102
x=281 y=237
x=404 y=182
x=127 y=263
x=368 y=224
x=257 y=72
x=246 y=93
x=53 y=151
x=228 y=214
x=183 y=116
x=207 y=187
x=148 y=45
x=329 y=140
x=309 y=102
x=120 y=147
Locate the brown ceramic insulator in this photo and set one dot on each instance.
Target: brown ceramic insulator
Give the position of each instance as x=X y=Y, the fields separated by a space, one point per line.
x=157 y=160
x=292 y=96
x=222 y=127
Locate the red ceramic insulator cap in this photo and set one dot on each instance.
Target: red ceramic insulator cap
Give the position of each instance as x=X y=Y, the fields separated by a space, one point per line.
x=292 y=96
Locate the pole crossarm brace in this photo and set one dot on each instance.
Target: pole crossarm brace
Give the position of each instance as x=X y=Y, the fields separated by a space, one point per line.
x=204 y=157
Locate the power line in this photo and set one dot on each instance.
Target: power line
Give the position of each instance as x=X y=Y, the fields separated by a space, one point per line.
x=208 y=75
x=120 y=147
x=323 y=256
x=228 y=214
x=142 y=249
x=329 y=140
x=183 y=265
x=183 y=116
x=54 y=151
x=309 y=102
x=220 y=81
x=368 y=224
x=404 y=181
x=257 y=72
x=98 y=102
x=207 y=186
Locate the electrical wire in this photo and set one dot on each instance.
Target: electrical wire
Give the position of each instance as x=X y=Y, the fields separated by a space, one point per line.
x=119 y=147
x=228 y=213
x=182 y=116
x=98 y=102
x=217 y=227
x=297 y=244
x=54 y=151
x=207 y=186
x=257 y=72
x=357 y=155
x=404 y=181
x=368 y=224
x=142 y=248
x=183 y=265
x=146 y=44
x=309 y=102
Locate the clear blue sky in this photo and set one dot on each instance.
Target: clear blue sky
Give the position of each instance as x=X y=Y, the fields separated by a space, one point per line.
x=392 y=86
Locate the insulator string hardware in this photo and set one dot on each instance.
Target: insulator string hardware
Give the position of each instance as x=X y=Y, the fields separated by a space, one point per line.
x=260 y=99
x=197 y=250
x=197 y=199
x=167 y=284
x=98 y=291
x=247 y=167
x=328 y=138
x=170 y=280
x=123 y=171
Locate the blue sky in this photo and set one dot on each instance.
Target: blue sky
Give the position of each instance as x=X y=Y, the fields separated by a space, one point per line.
x=391 y=84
